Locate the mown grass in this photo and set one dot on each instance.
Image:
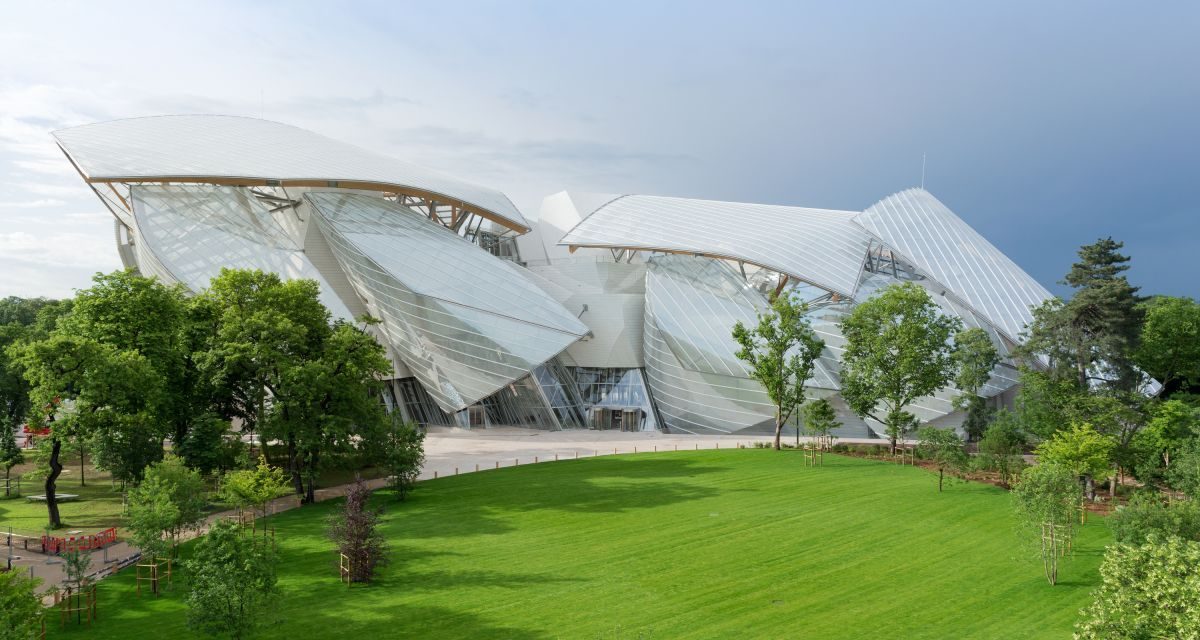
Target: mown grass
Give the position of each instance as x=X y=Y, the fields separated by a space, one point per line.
x=712 y=544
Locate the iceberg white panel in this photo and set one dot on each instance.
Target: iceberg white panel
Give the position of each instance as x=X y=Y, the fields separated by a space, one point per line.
x=464 y=322
x=819 y=246
x=211 y=148
x=924 y=231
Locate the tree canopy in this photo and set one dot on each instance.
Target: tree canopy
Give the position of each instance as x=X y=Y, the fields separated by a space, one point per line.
x=781 y=352
x=897 y=350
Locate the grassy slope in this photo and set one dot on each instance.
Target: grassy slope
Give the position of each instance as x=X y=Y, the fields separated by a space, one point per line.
x=728 y=544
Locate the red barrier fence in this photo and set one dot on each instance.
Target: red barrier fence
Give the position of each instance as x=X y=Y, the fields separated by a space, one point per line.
x=55 y=544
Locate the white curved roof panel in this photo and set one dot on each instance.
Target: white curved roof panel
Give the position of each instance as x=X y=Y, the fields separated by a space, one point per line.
x=238 y=150
x=820 y=246
x=926 y=233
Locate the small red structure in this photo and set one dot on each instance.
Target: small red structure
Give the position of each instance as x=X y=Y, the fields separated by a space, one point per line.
x=56 y=544
x=35 y=431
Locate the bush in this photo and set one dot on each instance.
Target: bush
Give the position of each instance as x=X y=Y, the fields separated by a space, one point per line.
x=355 y=530
x=1147 y=516
x=232 y=582
x=1148 y=591
x=403 y=453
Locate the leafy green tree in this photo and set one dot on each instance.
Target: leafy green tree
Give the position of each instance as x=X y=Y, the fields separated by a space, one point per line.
x=820 y=419
x=21 y=609
x=781 y=352
x=80 y=388
x=1047 y=500
x=10 y=454
x=254 y=488
x=1083 y=450
x=1184 y=474
x=210 y=446
x=184 y=489
x=1171 y=423
x=897 y=351
x=76 y=564
x=152 y=516
x=232 y=583
x=944 y=448
x=1147 y=591
x=355 y=530
x=1169 y=349
x=974 y=358
x=403 y=455
x=278 y=364
x=1002 y=447
x=1146 y=515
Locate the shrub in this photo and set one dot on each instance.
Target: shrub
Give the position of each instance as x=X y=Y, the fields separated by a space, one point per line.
x=356 y=532
x=1148 y=591
x=1147 y=516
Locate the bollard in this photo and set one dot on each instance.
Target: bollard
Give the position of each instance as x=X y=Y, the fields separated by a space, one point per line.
x=556 y=457
x=535 y=459
x=635 y=449
x=577 y=454
x=455 y=470
x=614 y=451
x=718 y=445
x=655 y=448
x=497 y=464
x=476 y=467
x=435 y=475
x=516 y=462
x=697 y=446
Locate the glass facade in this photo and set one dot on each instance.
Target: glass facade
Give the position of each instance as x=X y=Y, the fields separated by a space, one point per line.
x=465 y=323
x=616 y=397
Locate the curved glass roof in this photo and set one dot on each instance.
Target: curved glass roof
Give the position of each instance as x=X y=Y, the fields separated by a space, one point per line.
x=248 y=151
x=819 y=246
x=926 y=233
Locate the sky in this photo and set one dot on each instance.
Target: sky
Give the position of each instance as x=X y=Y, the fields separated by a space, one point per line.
x=1044 y=125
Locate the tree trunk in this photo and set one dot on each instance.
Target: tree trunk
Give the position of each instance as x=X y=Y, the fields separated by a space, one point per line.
x=940 y=474
x=294 y=468
x=82 y=458
x=778 y=430
x=1089 y=488
x=311 y=495
x=51 y=480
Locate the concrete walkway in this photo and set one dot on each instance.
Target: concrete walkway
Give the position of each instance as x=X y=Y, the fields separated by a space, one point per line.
x=448 y=451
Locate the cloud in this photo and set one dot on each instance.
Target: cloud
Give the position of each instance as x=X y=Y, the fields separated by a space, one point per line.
x=32 y=204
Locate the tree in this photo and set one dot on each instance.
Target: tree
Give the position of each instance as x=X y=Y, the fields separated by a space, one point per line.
x=232 y=582
x=184 y=489
x=820 y=419
x=76 y=564
x=1083 y=450
x=355 y=530
x=10 y=454
x=1047 y=501
x=1147 y=591
x=20 y=607
x=1091 y=338
x=1002 y=447
x=403 y=455
x=277 y=364
x=1169 y=348
x=1184 y=473
x=1172 y=423
x=79 y=388
x=152 y=515
x=944 y=448
x=897 y=350
x=781 y=352
x=974 y=358
x=254 y=488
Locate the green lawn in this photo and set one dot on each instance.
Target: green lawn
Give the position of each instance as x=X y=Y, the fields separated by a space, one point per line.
x=712 y=544
x=98 y=506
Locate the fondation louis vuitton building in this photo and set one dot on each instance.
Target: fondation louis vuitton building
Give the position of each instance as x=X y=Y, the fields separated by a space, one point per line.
x=607 y=311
